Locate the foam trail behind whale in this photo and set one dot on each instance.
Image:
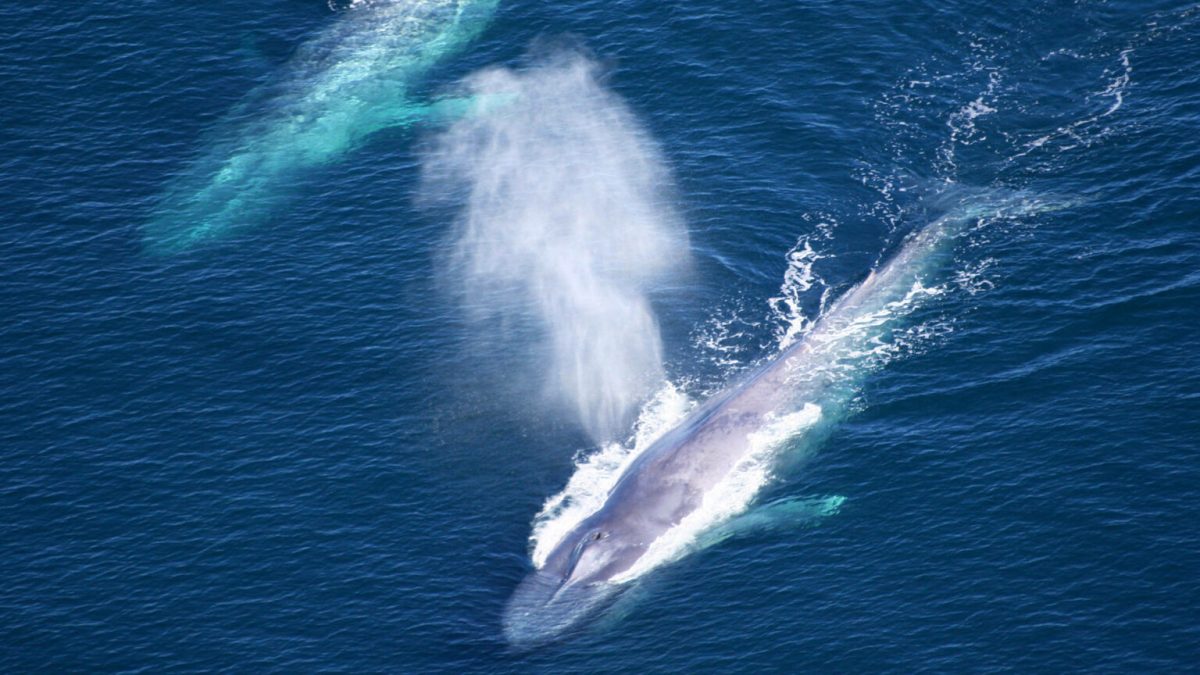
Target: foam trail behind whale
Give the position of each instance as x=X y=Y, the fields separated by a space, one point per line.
x=353 y=79
x=565 y=219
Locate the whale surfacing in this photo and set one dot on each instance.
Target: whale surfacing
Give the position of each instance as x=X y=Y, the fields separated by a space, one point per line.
x=666 y=486
x=352 y=80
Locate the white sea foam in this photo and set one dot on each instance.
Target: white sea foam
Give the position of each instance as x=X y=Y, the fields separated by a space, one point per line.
x=972 y=279
x=732 y=495
x=1087 y=130
x=728 y=338
x=963 y=122
x=725 y=338
x=596 y=473
x=799 y=278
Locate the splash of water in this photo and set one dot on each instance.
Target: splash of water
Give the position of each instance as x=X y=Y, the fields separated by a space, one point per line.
x=597 y=473
x=565 y=217
x=348 y=82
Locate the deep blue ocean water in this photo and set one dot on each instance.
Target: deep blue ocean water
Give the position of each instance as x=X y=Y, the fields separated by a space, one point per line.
x=291 y=448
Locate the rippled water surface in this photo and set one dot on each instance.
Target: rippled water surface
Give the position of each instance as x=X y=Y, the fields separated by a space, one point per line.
x=435 y=271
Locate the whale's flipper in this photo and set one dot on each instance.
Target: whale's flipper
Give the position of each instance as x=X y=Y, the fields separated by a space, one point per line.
x=776 y=516
x=779 y=515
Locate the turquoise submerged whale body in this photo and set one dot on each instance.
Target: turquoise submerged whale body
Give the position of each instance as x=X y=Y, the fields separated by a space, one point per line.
x=354 y=79
x=815 y=378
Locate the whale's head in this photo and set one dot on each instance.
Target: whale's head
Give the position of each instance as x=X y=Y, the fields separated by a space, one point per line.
x=576 y=581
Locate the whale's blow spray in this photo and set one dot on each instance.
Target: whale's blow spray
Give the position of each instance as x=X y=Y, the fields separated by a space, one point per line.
x=565 y=216
x=348 y=82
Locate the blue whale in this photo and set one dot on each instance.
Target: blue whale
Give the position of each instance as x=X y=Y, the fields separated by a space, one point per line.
x=670 y=479
x=352 y=80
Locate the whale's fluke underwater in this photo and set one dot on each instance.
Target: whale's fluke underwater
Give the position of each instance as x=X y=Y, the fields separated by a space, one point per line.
x=354 y=79
x=662 y=503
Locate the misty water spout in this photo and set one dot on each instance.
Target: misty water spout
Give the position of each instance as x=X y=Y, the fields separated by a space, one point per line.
x=566 y=217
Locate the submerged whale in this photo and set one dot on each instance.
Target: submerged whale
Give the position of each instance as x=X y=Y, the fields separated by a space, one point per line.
x=814 y=378
x=351 y=81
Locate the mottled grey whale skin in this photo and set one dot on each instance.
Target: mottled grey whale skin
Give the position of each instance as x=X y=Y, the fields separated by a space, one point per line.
x=669 y=480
